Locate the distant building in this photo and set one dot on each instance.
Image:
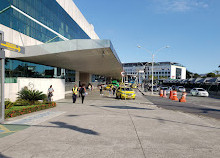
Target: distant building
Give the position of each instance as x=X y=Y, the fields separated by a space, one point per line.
x=162 y=70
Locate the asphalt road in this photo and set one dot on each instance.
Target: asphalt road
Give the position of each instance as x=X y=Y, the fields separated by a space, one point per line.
x=205 y=106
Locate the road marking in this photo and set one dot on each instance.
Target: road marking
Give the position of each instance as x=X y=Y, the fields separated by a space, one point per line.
x=4 y=130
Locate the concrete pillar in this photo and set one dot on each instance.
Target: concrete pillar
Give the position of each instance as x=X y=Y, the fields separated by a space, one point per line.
x=77 y=78
x=85 y=78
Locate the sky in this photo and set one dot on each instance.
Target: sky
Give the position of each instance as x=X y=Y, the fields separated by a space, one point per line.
x=190 y=27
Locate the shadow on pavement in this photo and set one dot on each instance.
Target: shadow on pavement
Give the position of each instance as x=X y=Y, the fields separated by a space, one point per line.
x=75 y=128
x=3 y=156
x=112 y=97
x=164 y=121
x=72 y=115
x=126 y=107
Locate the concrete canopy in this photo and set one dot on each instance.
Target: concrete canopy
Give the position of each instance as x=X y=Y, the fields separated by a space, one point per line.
x=83 y=55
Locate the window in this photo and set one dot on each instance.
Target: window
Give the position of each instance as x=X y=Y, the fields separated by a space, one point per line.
x=48 y=12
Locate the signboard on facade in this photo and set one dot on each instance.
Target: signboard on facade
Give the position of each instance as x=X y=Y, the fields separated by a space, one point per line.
x=123 y=73
x=11 y=47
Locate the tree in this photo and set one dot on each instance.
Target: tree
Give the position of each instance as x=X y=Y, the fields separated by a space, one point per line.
x=189 y=74
x=196 y=75
x=211 y=74
x=216 y=72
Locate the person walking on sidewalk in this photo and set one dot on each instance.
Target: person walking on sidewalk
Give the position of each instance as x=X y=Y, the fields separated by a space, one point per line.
x=100 y=89
x=82 y=92
x=75 y=89
x=114 y=89
x=50 y=93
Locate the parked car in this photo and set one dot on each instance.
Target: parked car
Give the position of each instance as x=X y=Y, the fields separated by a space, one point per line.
x=199 y=92
x=125 y=92
x=174 y=87
x=167 y=89
x=181 y=89
x=155 y=88
x=108 y=86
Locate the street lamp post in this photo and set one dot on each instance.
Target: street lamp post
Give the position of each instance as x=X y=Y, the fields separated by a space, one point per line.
x=144 y=72
x=152 y=68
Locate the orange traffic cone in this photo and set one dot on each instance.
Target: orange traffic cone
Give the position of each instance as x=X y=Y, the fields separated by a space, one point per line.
x=183 y=98
x=161 y=93
x=164 y=94
x=171 y=95
x=175 y=96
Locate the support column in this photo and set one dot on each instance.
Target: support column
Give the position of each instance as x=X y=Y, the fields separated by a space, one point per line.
x=84 y=78
x=77 y=78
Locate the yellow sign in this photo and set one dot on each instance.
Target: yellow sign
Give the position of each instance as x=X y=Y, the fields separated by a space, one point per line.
x=11 y=47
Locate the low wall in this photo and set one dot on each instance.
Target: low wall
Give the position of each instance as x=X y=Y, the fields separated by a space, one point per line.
x=11 y=90
x=41 y=84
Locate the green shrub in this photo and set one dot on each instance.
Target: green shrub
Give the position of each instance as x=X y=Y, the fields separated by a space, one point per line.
x=8 y=104
x=31 y=95
x=21 y=110
x=22 y=102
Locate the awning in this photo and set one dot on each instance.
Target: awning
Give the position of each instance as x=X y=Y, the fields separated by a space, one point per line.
x=84 y=55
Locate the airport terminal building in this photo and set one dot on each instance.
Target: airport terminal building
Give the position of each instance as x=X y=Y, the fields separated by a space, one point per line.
x=61 y=47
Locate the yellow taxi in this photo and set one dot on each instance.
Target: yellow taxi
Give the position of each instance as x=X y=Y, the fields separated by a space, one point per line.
x=108 y=86
x=125 y=93
x=134 y=85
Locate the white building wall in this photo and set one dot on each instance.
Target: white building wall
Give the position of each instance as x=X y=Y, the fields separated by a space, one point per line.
x=42 y=84
x=183 y=74
x=173 y=72
x=11 y=90
x=70 y=7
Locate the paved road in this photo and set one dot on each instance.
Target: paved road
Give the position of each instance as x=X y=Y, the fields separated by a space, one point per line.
x=209 y=102
x=196 y=105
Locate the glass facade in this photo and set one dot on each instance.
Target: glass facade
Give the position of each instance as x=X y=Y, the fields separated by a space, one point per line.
x=48 y=12
x=17 y=68
x=178 y=73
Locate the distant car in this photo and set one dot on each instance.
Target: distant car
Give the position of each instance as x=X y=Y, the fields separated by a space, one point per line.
x=155 y=88
x=181 y=89
x=133 y=85
x=108 y=86
x=174 y=87
x=167 y=89
x=199 y=92
x=125 y=92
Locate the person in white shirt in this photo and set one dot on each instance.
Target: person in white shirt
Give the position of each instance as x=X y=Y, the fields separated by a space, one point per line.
x=50 y=93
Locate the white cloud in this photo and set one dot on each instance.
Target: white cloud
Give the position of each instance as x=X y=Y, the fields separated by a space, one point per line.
x=179 y=5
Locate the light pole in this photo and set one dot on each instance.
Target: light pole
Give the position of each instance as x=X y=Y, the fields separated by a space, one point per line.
x=152 y=68
x=144 y=72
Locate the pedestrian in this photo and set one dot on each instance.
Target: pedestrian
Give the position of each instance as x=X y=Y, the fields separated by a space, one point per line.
x=50 y=93
x=83 y=92
x=100 y=89
x=74 y=96
x=89 y=87
x=79 y=90
x=110 y=90
x=114 y=89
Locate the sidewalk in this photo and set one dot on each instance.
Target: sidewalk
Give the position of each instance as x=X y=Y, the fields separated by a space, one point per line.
x=107 y=127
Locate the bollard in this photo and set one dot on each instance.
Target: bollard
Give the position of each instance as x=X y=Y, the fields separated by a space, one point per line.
x=171 y=94
x=161 y=93
x=164 y=94
x=183 y=98
x=175 y=96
